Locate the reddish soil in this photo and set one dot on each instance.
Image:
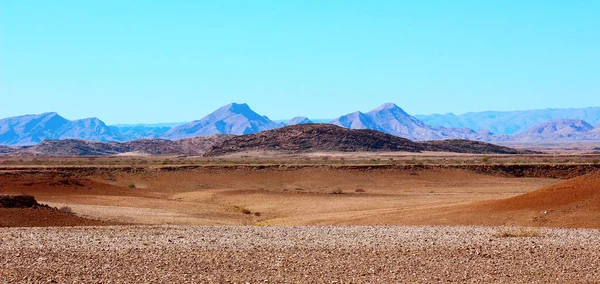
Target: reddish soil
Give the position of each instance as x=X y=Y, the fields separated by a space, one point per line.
x=25 y=211
x=572 y=203
x=42 y=217
x=305 y=195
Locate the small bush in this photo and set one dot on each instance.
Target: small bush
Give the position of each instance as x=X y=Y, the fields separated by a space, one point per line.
x=337 y=191
x=485 y=159
x=519 y=233
x=595 y=161
x=247 y=212
x=257 y=214
x=131 y=185
x=359 y=190
x=66 y=209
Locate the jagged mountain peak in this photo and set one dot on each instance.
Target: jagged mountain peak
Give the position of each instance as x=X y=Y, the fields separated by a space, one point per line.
x=236 y=108
x=387 y=106
x=229 y=119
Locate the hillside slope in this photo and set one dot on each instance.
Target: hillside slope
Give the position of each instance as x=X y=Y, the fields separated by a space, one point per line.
x=331 y=138
x=314 y=138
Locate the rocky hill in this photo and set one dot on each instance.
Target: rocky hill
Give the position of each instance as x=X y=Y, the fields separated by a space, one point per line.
x=72 y=147
x=331 y=138
x=233 y=118
x=315 y=138
x=469 y=146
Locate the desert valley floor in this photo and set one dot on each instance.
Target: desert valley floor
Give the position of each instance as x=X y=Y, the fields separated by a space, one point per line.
x=252 y=222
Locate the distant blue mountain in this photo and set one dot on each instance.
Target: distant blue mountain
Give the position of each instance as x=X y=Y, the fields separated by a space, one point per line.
x=135 y=132
x=510 y=122
x=390 y=118
x=33 y=129
x=150 y=125
x=524 y=126
x=298 y=120
x=233 y=118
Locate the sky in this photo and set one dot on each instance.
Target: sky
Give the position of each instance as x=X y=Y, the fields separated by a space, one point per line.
x=130 y=61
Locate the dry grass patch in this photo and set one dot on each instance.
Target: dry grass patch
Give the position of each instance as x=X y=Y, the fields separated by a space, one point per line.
x=518 y=233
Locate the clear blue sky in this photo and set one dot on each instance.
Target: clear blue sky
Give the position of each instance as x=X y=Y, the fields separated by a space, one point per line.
x=160 y=61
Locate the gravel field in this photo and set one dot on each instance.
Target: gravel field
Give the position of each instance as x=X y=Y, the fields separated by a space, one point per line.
x=185 y=254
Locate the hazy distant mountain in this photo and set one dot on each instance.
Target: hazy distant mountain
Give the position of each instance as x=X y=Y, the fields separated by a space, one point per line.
x=239 y=119
x=230 y=119
x=135 y=132
x=561 y=130
x=33 y=129
x=510 y=122
x=298 y=120
x=560 y=126
x=390 y=118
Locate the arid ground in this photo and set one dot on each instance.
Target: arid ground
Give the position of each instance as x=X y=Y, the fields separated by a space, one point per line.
x=175 y=203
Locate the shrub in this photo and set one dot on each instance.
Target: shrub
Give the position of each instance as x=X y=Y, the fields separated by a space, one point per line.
x=246 y=211
x=485 y=159
x=337 y=191
x=131 y=185
x=359 y=190
x=66 y=209
x=257 y=214
x=595 y=161
x=519 y=233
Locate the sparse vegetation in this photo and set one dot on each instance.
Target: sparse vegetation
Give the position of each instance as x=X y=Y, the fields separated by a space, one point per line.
x=337 y=191
x=131 y=185
x=359 y=190
x=66 y=209
x=485 y=159
x=519 y=233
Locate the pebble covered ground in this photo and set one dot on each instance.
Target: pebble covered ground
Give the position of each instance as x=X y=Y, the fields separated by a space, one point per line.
x=185 y=254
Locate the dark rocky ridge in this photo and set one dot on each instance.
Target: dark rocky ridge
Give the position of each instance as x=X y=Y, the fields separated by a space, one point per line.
x=303 y=138
x=469 y=146
x=72 y=147
x=330 y=138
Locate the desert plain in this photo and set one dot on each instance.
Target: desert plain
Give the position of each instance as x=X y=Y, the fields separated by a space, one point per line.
x=325 y=218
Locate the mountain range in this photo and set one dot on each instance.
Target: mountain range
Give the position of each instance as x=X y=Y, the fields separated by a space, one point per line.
x=510 y=122
x=240 y=119
x=292 y=139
